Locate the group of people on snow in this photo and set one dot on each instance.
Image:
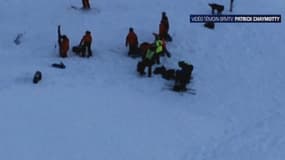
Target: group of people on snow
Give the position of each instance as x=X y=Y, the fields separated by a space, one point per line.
x=83 y=49
x=150 y=54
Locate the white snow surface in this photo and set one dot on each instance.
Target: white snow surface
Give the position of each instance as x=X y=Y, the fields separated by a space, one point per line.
x=100 y=109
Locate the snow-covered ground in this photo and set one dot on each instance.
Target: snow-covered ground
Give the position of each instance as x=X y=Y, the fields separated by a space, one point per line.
x=99 y=108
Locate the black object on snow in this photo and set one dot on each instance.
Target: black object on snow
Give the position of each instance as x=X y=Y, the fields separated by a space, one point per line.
x=58 y=65
x=37 y=77
x=210 y=25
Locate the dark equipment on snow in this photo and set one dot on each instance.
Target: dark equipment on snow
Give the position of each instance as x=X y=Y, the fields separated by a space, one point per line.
x=37 y=77
x=58 y=65
x=169 y=74
x=210 y=25
x=17 y=40
x=77 y=50
x=219 y=8
x=159 y=70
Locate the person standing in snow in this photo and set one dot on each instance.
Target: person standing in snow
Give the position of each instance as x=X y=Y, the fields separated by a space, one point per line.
x=132 y=42
x=147 y=61
x=63 y=43
x=85 y=4
x=162 y=31
x=85 y=44
x=63 y=46
x=164 y=27
x=143 y=48
x=164 y=21
x=158 y=50
x=161 y=49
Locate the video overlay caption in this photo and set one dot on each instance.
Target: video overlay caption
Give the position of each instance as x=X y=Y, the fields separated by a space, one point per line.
x=235 y=18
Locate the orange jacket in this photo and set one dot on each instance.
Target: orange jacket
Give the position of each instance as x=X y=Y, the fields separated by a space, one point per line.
x=162 y=30
x=64 y=47
x=164 y=20
x=131 y=39
x=86 y=39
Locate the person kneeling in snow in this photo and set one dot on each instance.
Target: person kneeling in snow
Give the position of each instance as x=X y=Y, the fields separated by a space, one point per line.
x=183 y=76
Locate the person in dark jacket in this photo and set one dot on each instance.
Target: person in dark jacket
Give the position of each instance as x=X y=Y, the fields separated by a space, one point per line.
x=143 y=48
x=147 y=61
x=132 y=42
x=183 y=76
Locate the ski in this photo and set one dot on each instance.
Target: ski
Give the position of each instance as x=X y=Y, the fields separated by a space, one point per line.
x=58 y=65
x=187 y=91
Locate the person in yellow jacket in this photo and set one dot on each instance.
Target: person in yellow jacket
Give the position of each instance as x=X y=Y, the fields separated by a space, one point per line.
x=161 y=49
x=158 y=50
x=147 y=61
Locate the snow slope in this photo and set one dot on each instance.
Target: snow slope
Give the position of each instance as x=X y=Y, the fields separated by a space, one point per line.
x=99 y=108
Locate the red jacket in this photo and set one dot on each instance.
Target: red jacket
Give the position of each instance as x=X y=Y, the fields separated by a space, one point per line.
x=164 y=20
x=131 y=39
x=162 y=30
x=64 y=47
x=86 y=39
